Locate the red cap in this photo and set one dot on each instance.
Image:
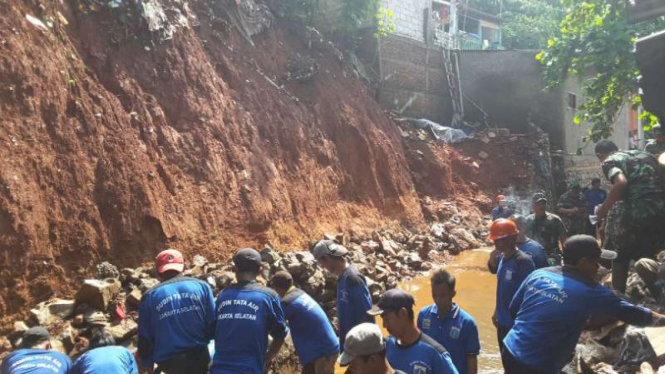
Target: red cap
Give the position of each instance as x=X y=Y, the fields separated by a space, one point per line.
x=170 y=259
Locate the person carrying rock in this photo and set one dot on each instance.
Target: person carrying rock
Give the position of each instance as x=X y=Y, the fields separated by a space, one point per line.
x=656 y=146
x=407 y=348
x=572 y=209
x=552 y=306
x=246 y=313
x=104 y=357
x=353 y=296
x=176 y=320
x=511 y=267
x=365 y=351
x=634 y=209
x=546 y=228
x=313 y=336
x=450 y=325
x=35 y=353
x=528 y=246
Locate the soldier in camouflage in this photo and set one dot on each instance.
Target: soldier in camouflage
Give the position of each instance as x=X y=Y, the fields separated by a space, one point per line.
x=656 y=146
x=572 y=209
x=634 y=208
x=546 y=228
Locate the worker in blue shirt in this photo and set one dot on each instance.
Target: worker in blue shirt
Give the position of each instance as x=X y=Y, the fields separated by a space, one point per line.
x=552 y=306
x=594 y=196
x=365 y=351
x=104 y=357
x=247 y=312
x=353 y=297
x=35 y=356
x=500 y=210
x=313 y=336
x=511 y=266
x=408 y=349
x=529 y=246
x=450 y=325
x=176 y=320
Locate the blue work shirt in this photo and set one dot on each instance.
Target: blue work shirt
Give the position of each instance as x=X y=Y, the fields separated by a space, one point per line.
x=313 y=335
x=425 y=356
x=36 y=361
x=353 y=302
x=509 y=276
x=551 y=309
x=593 y=198
x=106 y=360
x=536 y=251
x=500 y=212
x=246 y=313
x=457 y=332
x=175 y=316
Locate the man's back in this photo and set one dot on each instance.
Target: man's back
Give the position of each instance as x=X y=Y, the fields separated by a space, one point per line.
x=425 y=356
x=353 y=301
x=174 y=317
x=645 y=194
x=313 y=335
x=510 y=274
x=246 y=313
x=536 y=251
x=35 y=361
x=106 y=360
x=551 y=308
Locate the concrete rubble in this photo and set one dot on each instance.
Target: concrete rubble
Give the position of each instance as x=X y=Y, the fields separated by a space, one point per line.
x=112 y=300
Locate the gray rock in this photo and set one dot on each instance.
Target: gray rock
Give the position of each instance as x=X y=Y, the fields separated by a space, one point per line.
x=269 y=255
x=52 y=311
x=123 y=330
x=134 y=298
x=106 y=270
x=98 y=293
x=145 y=284
x=224 y=279
x=199 y=261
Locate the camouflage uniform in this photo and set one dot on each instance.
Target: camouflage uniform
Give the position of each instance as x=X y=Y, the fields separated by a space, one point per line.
x=575 y=224
x=654 y=148
x=634 y=225
x=546 y=231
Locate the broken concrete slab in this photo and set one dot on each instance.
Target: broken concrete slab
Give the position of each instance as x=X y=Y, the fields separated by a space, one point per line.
x=49 y=312
x=98 y=293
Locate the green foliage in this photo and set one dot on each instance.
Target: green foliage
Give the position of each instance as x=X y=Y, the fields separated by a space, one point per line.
x=384 y=22
x=302 y=11
x=596 y=44
x=527 y=24
x=355 y=12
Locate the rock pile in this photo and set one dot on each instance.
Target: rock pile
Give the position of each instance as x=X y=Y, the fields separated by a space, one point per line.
x=112 y=299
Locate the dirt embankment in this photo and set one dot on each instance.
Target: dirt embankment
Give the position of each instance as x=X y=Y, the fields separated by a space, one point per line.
x=115 y=144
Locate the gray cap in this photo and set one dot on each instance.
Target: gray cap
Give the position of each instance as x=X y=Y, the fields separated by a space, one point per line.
x=539 y=197
x=33 y=336
x=328 y=247
x=247 y=258
x=363 y=340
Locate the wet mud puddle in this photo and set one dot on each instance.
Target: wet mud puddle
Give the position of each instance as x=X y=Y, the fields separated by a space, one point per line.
x=476 y=290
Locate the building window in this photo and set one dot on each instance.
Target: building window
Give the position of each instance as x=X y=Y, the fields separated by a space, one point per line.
x=572 y=101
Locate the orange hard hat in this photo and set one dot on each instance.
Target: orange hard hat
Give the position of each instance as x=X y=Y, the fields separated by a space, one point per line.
x=500 y=198
x=503 y=228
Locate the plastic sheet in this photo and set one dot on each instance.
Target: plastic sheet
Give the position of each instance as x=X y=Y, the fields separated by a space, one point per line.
x=442 y=133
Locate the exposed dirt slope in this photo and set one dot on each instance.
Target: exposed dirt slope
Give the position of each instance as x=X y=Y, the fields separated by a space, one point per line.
x=114 y=145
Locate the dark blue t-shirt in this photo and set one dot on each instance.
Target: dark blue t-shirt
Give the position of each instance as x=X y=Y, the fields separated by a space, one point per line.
x=36 y=361
x=536 y=251
x=353 y=302
x=246 y=313
x=175 y=316
x=500 y=212
x=106 y=360
x=509 y=276
x=456 y=332
x=425 y=356
x=313 y=335
x=593 y=198
x=551 y=308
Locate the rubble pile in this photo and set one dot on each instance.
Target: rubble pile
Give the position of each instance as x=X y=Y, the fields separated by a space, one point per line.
x=111 y=300
x=618 y=348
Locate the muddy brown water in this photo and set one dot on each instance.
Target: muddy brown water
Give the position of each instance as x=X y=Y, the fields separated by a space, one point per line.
x=476 y=291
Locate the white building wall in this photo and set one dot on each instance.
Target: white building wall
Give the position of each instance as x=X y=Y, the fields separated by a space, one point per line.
x=409 y=17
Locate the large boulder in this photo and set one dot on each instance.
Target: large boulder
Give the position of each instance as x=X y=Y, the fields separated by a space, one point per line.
x=52 y=311
x=123 y=330
x=106 y=270
x=98 y=293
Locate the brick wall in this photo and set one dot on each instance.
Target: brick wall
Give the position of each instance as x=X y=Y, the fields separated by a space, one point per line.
x=414 y=79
